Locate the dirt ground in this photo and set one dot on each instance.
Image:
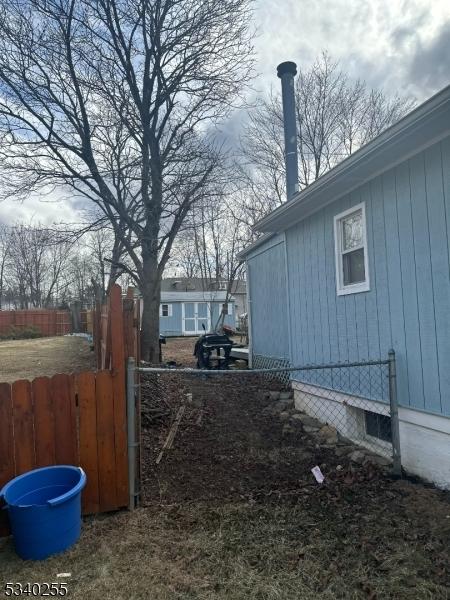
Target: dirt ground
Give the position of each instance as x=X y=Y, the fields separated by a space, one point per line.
x=26 y=359
x=180 y=350
x=232 y=512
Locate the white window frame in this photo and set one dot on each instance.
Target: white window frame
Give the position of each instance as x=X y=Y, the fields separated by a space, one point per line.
x=169 y=309
x=362 y=286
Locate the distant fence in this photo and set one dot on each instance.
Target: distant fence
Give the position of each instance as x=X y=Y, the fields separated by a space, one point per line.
x=47 y=322
x=78 y=419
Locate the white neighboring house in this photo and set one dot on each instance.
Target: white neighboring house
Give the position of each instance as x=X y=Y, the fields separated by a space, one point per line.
x=214 y=288
x=192 y=313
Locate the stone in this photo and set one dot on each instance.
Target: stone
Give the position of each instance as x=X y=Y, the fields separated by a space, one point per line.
x=287 y=430
x=307 y=420
x=310 y=429
x=284 y=405
x=274 y=395
x=382 y=461
x=343 y=441
x=329 y=434
x=357 y=456
x=288 y=404
x=297 y=416
x=343 y=450
x=284 y=416
x=241 y=364
x=287 y=395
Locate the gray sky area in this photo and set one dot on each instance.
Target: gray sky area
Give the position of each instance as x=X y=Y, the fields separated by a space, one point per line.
x=401 y=46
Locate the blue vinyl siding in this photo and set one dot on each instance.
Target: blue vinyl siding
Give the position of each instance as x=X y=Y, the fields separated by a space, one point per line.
x=408 y=304
x=173 y=326
x=266 y=278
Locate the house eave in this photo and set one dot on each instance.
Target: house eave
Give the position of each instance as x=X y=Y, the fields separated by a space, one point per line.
x=254 y=245
x=425 y=125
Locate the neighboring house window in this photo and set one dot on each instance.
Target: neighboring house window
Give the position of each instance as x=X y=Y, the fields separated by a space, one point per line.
x=222 y=285
x=352 y=273
x=165 y=310
x=378 y=426
x=227 y=308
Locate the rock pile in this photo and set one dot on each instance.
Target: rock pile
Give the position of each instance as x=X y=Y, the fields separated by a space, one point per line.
x=281 y=405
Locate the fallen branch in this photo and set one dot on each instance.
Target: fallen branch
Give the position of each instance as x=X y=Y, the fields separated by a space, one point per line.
x=172 y=433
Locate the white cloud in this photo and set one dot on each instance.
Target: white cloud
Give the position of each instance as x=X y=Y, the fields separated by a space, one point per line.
x=401 y=46
x=46 y=209
x=375 y=40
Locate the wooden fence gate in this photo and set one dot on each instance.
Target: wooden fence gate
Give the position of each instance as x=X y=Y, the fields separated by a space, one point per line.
x=77 y=419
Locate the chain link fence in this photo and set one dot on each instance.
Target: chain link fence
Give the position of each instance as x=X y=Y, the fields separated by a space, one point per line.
x=350 y=408
x=352 y=400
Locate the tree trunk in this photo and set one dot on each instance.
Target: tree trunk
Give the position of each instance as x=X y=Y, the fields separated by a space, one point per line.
x=151 y=294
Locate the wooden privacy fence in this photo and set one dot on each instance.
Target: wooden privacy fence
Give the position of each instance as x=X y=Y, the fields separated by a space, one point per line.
x=68 y=419
x=47 y=322
x=106 y=319
x=77 y=419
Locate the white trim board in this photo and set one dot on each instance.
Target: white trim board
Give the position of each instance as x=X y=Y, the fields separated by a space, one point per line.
x=377 y=406
x=362 y=286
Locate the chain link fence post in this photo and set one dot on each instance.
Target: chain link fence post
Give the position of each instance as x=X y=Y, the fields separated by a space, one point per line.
x=395 y=430
x=131 y=429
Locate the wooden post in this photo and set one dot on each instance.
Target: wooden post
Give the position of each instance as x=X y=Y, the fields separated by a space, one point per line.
x=119 y=392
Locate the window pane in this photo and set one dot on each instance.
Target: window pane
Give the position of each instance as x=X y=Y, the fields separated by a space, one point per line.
x=353 y=265
x=378 y=426
x=352 y=231
x=165 y=310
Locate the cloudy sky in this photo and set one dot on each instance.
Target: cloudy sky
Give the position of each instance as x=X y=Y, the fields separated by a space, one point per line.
x=401 y=46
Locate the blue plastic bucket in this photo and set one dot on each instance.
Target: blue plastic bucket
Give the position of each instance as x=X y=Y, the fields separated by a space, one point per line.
x=44 y=508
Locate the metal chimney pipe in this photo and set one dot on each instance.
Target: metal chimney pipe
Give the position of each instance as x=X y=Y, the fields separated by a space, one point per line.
x=286 y=71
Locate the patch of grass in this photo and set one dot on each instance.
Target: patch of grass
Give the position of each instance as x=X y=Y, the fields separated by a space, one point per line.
x=235 y=551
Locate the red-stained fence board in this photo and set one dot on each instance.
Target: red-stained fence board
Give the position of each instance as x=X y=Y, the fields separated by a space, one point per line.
x=7 y=470
x=44 y=422
x=87 y=406
x=105 y=442
x=65 y=420
x=23 y=427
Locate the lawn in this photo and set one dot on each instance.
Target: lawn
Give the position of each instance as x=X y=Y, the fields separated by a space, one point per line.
x=26 y=359
x=232 y=512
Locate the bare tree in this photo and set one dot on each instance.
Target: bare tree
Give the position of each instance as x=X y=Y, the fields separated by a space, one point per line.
x=5 y=244
x=183 y=260
x=114 y=100
x=215 y=234
x=335 y=117
x=36 y=261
